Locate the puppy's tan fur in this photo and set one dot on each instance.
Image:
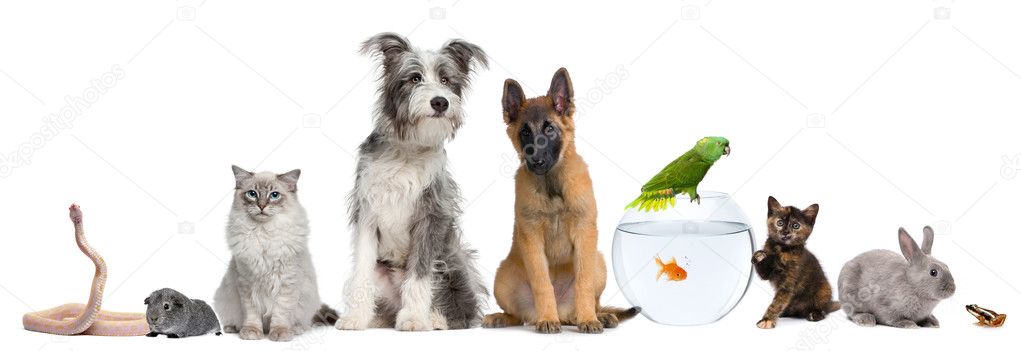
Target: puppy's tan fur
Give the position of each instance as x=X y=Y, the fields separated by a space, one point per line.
x=553 y=275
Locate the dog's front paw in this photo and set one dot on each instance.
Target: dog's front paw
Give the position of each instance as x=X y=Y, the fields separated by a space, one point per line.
x=590 y=327
x=281 y=334
x=353 y=321
x=547 y=327
x=413 y=321
x=766 y=324
x=250 y=333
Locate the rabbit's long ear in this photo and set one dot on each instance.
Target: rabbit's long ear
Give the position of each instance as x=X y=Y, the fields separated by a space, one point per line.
x=908 y=246
x=927 y=241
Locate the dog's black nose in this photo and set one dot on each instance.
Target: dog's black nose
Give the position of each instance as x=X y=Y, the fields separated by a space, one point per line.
x=539 y=162
x=439 y=103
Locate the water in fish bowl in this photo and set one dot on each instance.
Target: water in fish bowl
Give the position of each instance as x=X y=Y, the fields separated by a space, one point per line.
x=683 y=272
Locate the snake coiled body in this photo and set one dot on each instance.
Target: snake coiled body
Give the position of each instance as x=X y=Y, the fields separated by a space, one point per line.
x=87 y=319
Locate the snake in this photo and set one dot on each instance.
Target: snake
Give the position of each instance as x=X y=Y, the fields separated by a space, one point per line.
x=86 y=319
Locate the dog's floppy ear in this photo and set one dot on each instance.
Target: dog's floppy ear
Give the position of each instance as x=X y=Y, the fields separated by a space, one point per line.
x=513 y=98
x=468 y=56
x=561 y=92
x=388 y=46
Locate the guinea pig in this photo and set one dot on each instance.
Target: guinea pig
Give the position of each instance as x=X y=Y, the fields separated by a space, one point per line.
x=172 y=314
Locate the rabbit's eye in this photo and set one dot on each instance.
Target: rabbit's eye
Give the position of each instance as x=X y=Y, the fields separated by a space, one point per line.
x=933 y=273
x=166 y=307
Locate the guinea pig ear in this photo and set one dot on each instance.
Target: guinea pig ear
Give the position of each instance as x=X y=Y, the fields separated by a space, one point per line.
x=927 y=240
x=147 y=301
x=909 y=247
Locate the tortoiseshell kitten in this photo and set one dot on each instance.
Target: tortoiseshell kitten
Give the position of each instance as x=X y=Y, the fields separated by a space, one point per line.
x=802 y=290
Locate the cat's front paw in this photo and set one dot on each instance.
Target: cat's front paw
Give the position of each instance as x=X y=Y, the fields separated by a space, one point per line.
x=758 y=256
x=353 y=321
x=282 y=334
x=250 y=333
x=766 y=324
x=413 y=321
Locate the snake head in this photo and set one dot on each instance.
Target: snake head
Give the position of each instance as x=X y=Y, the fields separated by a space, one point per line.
x=76 y=213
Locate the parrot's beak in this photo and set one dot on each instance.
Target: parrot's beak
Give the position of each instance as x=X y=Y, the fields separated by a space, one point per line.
x=726 y=150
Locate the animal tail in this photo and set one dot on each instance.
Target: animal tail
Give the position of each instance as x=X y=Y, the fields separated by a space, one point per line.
x=653 y=200
x=325 y=316
x=834 y=306
x=622 y=314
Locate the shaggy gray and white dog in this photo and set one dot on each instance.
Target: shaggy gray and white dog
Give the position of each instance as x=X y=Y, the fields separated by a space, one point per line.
x=411 y=269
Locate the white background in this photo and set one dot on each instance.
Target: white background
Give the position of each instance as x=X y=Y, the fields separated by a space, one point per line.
x=887 y=114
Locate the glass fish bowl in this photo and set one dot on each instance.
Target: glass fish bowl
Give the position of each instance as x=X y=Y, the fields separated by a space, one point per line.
x=685 y=265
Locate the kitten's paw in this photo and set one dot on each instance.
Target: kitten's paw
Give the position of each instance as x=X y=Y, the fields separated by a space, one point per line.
x=609 y=320
x=250 y=333
x=758 y=256
x=766 y=324
x=413 y=321
x=230 y=329
x=590 y=327
x=815 y=316
x=281 y=334
x=353 y=321
x=152 y=334
x=547 y=327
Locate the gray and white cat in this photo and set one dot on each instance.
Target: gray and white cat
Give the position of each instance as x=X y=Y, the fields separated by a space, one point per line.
x=270 y=284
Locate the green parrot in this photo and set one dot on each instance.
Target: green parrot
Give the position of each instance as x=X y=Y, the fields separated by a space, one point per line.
x=682 y=175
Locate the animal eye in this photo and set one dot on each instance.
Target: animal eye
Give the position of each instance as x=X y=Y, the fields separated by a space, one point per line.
x=416 y=79
x=933 y=273
x=274 y=195
x=253 y=194
x=166 y=306
x=525 y=132
x=779 y=223
x=444 y=81
x=795 y=225
x=548 y=130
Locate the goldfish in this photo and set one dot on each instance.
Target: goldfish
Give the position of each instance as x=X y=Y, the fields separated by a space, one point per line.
x=672 y=271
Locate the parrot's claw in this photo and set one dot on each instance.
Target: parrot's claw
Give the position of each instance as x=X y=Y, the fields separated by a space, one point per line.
x=697 y=199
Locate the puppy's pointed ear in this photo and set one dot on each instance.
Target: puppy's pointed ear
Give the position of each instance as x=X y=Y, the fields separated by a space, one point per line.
x=513 y=99
x=240 y=174
x=468 y=56
x=561 y=92
x=291 y=179
x=387 y=46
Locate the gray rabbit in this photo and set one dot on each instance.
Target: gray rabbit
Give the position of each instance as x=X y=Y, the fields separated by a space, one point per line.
x=175 y=315
x=881 y=287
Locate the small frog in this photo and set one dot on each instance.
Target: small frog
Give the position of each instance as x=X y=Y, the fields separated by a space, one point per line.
x=988 y=318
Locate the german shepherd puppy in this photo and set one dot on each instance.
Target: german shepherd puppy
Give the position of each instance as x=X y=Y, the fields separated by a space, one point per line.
x=553 y=274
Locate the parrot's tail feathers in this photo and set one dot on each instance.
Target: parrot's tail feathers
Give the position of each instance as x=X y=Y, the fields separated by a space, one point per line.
x=653 y=201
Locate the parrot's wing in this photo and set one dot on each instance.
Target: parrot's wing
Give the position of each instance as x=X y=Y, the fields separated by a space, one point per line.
x=685 y=171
